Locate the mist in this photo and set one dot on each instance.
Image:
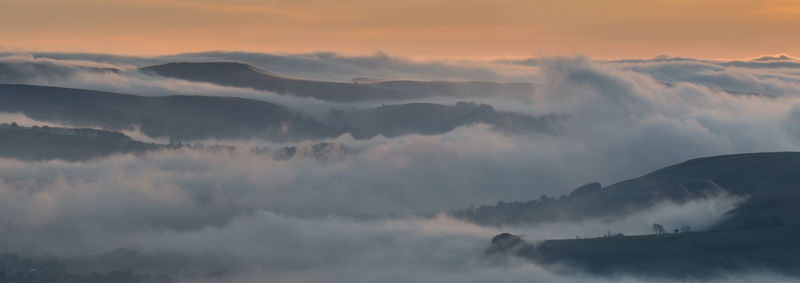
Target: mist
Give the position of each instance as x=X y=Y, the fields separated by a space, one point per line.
x=621 y=123
x=378 y=213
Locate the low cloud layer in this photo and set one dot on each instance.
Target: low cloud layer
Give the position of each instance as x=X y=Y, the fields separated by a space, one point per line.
x=370 y=213
x=260 y=245
x=623 y=122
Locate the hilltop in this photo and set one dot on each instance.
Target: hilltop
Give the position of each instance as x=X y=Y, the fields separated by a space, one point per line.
x=242 y=75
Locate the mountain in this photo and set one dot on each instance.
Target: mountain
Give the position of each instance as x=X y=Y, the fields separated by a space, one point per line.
x=46 y=143
x=429 y=119
x=243 y=75
x=179 y=117
x=769 y=180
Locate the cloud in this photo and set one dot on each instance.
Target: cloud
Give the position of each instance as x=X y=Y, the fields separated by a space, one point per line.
x=733 y=79
x=261 y=246
x=623 y=122
x=700 y=214
x=120 y=75
x=282 y=249
x=358 y=218
x=768 y=75
x=71 y=73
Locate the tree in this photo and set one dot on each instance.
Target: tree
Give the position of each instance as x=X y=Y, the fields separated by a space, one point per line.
x=658 y=229
x=175 y=143
x=686 y=229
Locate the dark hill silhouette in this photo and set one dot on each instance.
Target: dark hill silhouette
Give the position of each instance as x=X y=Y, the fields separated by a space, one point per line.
x=46 y=143
x=18 y=72
x=180 y=117
x=769 y=179
x=703 y=255
x=200 y=117
x=243 y=75
x=761 y=235
x=429 y=119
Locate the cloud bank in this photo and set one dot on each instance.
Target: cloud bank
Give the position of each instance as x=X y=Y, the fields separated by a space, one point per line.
x=372 y=213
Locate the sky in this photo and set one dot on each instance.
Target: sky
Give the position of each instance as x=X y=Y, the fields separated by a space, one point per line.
x=714 y=29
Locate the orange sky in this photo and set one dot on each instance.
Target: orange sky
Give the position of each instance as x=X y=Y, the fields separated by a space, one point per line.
x=413 y=28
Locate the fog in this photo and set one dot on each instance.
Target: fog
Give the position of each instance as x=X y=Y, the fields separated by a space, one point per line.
x=46 y=211
x=64 y=217
x=623 y=121
x=376 y=214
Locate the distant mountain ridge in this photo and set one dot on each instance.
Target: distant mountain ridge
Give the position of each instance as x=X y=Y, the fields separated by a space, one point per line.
x=180 y=117
x=243 y=75
x=202 y=117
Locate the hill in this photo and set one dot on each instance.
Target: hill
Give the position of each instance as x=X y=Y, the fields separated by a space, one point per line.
x=770 y=180
x=180 y=117
x=696 y=255
x=243 y=75
x=202 y=117
x=18 y=72
x=429 y=119
x=46 y=143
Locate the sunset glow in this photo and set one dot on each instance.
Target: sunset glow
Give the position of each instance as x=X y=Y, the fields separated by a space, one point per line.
x=415 y=28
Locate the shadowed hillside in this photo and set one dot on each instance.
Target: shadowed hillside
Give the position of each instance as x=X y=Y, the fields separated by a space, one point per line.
x=243 y=75
x=16 y=72
x=181 y=117
x=701 y=255
x=769 y=179
x=45 y=143
x=201 y=117
x=428 y=119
